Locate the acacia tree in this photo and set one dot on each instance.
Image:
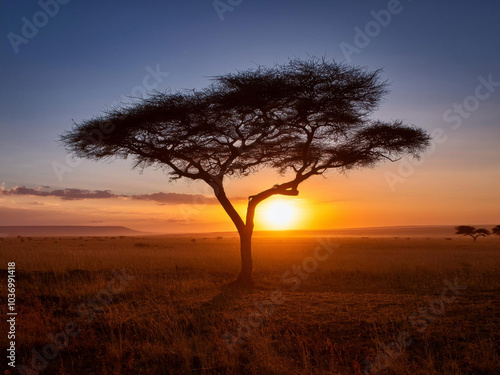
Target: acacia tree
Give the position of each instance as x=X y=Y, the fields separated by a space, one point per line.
x=302 y=119
x=496 y=230
x=466 y=230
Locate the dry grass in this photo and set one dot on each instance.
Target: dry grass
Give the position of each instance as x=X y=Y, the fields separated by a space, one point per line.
x=173 y=316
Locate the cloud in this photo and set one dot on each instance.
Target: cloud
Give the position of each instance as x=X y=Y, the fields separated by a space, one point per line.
x=175 y=198
x=181 y=221
x=78 y=194
x=66 y=194
x=37 y=203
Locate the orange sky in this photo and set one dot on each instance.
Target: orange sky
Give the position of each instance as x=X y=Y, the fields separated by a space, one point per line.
x=435 y=192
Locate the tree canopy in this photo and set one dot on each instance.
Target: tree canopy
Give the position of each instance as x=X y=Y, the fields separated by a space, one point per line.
x=466 y=230
x=302 y=118
x=307 y=116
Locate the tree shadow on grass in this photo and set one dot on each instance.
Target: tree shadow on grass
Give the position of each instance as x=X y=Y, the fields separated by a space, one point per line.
x=230 y=294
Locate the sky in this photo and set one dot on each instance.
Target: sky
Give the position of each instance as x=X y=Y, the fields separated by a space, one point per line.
x=66 y=61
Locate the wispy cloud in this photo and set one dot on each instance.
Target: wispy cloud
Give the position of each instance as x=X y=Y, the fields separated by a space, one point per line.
x=78 y=194
x=175 y=198
x=67 y=194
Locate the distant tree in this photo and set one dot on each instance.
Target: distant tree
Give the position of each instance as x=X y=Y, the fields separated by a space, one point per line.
x=496 y=230
x=302 y=119
x=466 y=230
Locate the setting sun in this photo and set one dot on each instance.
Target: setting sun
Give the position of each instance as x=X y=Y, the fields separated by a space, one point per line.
x=279 y=214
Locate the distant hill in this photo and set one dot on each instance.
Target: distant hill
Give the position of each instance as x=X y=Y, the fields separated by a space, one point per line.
x=60 y=230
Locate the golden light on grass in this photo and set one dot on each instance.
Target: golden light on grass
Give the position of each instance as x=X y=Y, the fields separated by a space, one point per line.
x=159 y=320
x=278 y=214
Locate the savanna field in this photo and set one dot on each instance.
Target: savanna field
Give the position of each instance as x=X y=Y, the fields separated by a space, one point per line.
x=164 y=305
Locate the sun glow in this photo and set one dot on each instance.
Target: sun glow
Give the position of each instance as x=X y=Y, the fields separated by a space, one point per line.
x=278 y=214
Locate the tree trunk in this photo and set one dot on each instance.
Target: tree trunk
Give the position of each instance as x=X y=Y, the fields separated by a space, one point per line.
x=245 y=231
x=245 y=228
x=245 y=276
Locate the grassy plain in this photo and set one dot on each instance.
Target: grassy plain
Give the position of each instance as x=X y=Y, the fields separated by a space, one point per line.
x=406 y=305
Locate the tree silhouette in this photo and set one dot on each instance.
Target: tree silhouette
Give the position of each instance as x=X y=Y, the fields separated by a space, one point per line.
x=496 y=230
x=302 y=119
x=466 y=230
